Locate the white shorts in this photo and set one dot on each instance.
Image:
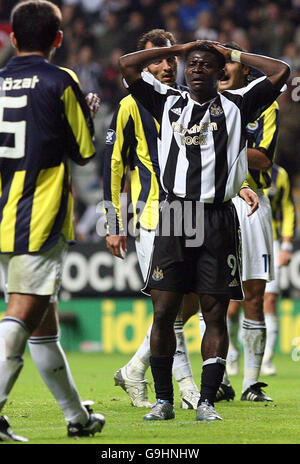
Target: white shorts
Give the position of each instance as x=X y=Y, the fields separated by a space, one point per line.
x=34 y=274
x=257 y=239
x=144 y=245
x=274 y=285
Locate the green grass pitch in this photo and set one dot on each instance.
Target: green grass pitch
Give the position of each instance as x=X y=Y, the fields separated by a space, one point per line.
x=34 y=413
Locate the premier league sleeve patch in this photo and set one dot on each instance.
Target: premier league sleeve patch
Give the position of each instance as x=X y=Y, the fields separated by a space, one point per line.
x=110 y=137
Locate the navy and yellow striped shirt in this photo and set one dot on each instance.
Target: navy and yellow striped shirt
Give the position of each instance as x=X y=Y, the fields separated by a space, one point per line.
x=44 y=122
x=132 y=141
x=283 y=208
x=262 y=133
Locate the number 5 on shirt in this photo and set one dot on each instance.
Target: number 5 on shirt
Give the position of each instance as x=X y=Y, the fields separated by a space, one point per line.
x=18 y=129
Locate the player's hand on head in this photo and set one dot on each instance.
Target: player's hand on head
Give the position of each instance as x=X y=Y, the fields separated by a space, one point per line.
x=93 y=102
x=117 y=245
x=250 y=198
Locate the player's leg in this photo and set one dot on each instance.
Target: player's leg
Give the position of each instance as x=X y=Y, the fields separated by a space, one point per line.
x=52 y=365
x=254 y=340
x=272 y=292
x=214 y=348
x=22 y=316
x=257 y=269
x=182 y=370
x=233 y=324
x=163 y=344
x=131 y=377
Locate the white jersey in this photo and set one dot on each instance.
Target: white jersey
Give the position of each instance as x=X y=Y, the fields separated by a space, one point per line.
x=203 y=147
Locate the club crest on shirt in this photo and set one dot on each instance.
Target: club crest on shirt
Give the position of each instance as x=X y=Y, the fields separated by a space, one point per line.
x=252 y=126
x=157 y=274
x=216 y=110
x=110 y=137
x=176 y=111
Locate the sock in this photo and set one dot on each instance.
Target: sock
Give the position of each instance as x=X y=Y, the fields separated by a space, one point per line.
x=211 y=378
x=272 y=333
x=161 y=367
x=254 y=339
x=202 y=325
x=51 y=362
x=181 y=366
x=233 y=330
x=139 y=363
x=13 y=338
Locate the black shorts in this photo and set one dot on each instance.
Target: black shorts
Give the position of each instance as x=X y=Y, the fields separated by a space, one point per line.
x=211 y=268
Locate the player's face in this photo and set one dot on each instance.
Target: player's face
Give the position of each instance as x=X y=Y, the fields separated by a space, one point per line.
x=164 y=70
x=202 y=71
x=234 y=77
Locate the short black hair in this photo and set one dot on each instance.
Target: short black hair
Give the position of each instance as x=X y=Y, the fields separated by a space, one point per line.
x=35 y=24
x=159 y=38
x=209 y=48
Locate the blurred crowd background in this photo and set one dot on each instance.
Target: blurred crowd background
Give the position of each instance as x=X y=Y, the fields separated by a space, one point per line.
x=98 y=32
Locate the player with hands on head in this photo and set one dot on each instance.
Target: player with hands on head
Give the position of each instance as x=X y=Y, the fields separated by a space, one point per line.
x=203 y=159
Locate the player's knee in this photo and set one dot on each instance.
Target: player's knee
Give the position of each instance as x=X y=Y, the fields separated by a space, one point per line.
x=270 y=300
x=253 y=306
x=163 y=316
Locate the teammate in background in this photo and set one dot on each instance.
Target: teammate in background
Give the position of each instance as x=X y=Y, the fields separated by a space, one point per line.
x=132 y=143
x=283 y=221
x=257 y=246
x=45 y=122
x=203 y=158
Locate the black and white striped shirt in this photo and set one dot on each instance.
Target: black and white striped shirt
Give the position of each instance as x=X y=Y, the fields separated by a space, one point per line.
x=203 y=147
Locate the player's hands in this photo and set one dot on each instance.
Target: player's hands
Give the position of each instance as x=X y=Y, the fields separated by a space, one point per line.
x=250 y=198
x=284 y=258
x=117 y=245
x=93 y=102
x=226 y=52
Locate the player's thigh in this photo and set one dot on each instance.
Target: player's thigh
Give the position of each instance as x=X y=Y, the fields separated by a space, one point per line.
x=190 y=306
x=31 y=282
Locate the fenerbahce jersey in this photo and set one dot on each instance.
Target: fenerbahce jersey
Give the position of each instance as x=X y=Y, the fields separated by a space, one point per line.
x=44 y=121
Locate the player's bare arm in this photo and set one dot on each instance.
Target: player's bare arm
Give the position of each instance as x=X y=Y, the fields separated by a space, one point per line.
x=277 y=71
x=258 y=159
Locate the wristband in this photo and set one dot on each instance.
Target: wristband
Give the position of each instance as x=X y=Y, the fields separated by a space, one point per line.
x=236 y=56
x=286 y=246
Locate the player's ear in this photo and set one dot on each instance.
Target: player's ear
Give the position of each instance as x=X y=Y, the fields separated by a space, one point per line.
x=58 y=39
x=13 y=40
x=246 y=70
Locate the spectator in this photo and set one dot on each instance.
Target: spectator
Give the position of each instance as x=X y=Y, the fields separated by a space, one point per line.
x=134 y=28
x=88 y=71
x=110 y=38
x=89 y=8
x=205 y=29
x=188 y=12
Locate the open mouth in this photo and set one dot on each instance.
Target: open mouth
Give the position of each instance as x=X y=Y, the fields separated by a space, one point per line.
x=225 y=79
